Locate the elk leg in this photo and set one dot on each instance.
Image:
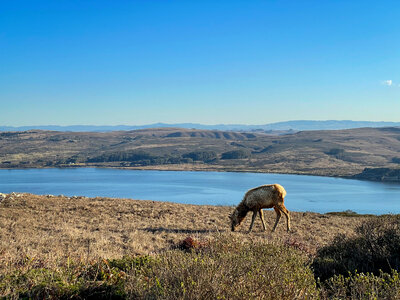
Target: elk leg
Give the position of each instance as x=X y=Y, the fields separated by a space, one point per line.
x=262 y=218
x=252 y=220
x=278 y=216
x=287 y=215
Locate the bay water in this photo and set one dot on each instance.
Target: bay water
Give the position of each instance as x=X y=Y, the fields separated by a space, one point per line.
x=304 y=193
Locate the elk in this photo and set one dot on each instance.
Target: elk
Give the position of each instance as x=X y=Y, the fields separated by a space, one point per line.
x=264 y=196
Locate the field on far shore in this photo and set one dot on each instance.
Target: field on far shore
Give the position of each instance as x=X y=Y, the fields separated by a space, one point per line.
x=56 y=227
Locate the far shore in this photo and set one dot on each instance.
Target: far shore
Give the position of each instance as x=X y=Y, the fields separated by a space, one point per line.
x=207 y=168
x=363 y=153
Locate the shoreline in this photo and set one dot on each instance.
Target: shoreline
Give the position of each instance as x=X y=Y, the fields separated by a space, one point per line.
x=344 y=153
x=202 y=168
x=321 y=194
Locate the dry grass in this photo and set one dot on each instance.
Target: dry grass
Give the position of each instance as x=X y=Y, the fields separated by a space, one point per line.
x=54 y=227
x=102 y=248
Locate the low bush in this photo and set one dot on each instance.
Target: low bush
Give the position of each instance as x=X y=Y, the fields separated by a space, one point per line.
x=228 y=269
x=362 y=286
x=375 y=248
x=223 y=269
x=102 y=279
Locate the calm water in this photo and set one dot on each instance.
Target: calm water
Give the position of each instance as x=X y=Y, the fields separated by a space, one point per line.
x=305 y=193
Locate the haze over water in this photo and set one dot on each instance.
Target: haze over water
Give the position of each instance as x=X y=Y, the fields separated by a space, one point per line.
x=305 y=193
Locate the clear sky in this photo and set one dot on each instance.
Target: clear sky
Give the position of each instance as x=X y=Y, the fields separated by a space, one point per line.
x=211 y=62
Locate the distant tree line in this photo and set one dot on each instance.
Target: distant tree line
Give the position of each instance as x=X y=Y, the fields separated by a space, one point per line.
x=145 y=158
x=336 y=152
x=205 y=156
x=122 y=156
x=236 y=154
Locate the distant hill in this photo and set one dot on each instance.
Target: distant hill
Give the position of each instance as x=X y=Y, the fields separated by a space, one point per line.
x=299 y=125
x=324 y=152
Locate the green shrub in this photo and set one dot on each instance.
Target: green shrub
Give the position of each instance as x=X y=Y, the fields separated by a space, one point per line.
x=362 y=286
x=223 y=269
x=375 y=247
x=104 y=279
x=227 y=269
x=128 y=263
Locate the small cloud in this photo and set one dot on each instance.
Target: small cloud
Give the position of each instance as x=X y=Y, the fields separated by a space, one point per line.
x=387 y=82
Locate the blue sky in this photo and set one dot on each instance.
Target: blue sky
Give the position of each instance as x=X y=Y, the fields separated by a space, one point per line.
x=211 y=62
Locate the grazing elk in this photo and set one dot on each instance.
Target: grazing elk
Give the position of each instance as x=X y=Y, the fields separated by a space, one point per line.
x=264 y=196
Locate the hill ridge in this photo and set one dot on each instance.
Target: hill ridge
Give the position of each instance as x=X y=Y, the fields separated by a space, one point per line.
x=295 y=125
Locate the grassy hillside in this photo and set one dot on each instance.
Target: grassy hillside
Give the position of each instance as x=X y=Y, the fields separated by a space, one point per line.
x=91 y=227
x=59 y=247
x=331 y=153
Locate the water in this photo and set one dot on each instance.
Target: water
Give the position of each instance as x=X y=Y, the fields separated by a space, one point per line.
x=305 y=193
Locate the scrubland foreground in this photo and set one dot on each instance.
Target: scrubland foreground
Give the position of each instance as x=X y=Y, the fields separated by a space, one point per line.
x=82 y=248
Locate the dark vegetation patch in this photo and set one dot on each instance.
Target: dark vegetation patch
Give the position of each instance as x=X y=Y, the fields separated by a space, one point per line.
x=238 y=145
x=122 y=156
x=362 y=267
x=175 y=134
x=236 y=154
x=380 y=174
x=270 y=148
x=336 y=152
x=348 y=213
x=204 y=156
x=375 y=248
x=396 y=160
x=136 y=158
x=10 y=134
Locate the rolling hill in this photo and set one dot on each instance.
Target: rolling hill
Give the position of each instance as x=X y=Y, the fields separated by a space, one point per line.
x=279 y=126
x=329 y=153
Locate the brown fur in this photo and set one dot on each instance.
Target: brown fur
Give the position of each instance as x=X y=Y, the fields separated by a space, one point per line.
x=265 y=196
